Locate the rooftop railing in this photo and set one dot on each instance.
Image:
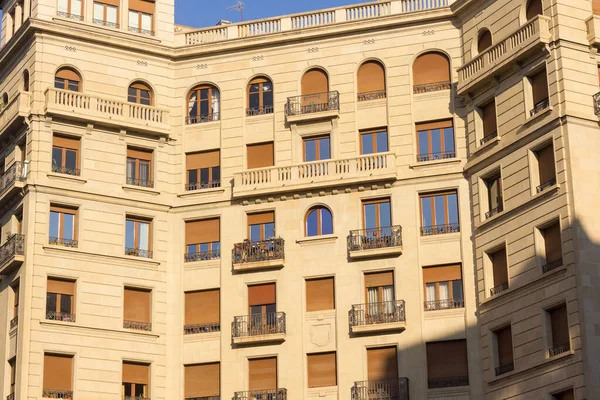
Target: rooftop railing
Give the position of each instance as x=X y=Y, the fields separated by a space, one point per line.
x=264 y=394
x=312 y=103
x=263 y=250
x=15 y=245
x=383 y=312
x=258 y=324
x=375 y=238
x=386 y=389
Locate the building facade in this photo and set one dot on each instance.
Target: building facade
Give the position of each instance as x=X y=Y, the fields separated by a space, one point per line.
x=369 y=202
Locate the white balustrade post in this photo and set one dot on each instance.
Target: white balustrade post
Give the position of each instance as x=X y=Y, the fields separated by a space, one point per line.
x=286 y=24
x=232 y=31
x=340 y=15
x=396 y=7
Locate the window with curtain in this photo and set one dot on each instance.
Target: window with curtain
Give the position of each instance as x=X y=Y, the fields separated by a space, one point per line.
x=316 y=148
x=260 y=97
x=107 y=13
x=443 y=287
x=319 y=222
x=377 y=218
x=380 y=296
x=375 y=141
x=435 y=141
x=439 y=213
x=139 y=167
x=65 y=155
x=67 y=79
x=203 y=104
x=140 y=93
x=70 y=9
x=63 y=226
x=59 y=300
x=137 y=237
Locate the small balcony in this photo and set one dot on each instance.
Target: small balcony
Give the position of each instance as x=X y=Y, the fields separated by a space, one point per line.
x=203 y=118
x=264 y=254
x=138 y=325
x=66 y=170
x=560 y=349
x=12 y=113
x=12 y=254
x=60 y=316
x=504 y=369
x=262 y=110
x=108 y=112
x=264 y=394
x=362 y=169
x=203 y=185
x=375 y=242
x=313 y=106
x=258 y=328
x=539 y=107
x=13 y=179
x=386 y=389
x=431 y=87
x=201 y=328
x=447 y=304
x=488 y=138
x=499 y=289
x=448 y=382
x=57 y=394
x=140 y=182
x=522 y=43
x=377 y=317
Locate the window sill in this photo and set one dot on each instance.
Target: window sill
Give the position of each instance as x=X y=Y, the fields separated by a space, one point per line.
x=372 y=103
x=75 y=325
x=320 y=315
x=540 y=365
x=202 y=264
x=202 y=337
x=201 y=192
x=441 y=237
x=77 y=253
x=435 y=94
x=486 y=145
x=317 y=239
x=141 y=189
x=433 y=163
x=71 y=178
x=257 y=119
x=541 y=114
x=203 y=125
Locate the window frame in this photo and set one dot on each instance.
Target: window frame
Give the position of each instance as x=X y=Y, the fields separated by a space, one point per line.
x=136 y=235
x=319 y=209
x=69 y=77
x=210 y=95
x=432 y=195
x=135 y=156
x=138 y=27
x=374 y=132
x=431 y=127
x=105 y=4
x=317 y=139
x=377 y=202
x=262 y=108
x=70 y=10
x=62 y=210
x=64 y=150
x=139 y=87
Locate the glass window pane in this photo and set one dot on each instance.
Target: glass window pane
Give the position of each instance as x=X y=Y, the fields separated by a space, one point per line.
x=204 y=108
x=216 y=175
x=56 y=157
x=65 y=304
x=449 y=140
x=131 y=168
x=129 y=234
x=267 y=86
x=385 y=214
x=203 y=247
x=98 y=11
x=436 y=141
x=382 y=142
x=139 y=390
x=426 y=211
x=256 y=310
x=423 y=142
x=69 y=228
x=54 y=224
x=191 y=249
x=326 y=222
x=144 y=236
x=440 y=210
x=452 y=209
x=193 y=176
x=51 y=302
x=111 y=14
x=254 y=100
x=370 y=216
x=457 y=290
x=204 y=176
x=63 y=6
x=255 y=232
x=324 y=152
x=144 y=170
x=146 y=22
x=76 y=7
x=310 y=150
x=430 y=292
x=254 y=88
x=71 y=160
x=73 y=86
x=127 y=389
x=367 y=143
x=59 y=83
x=216 y=246
x=268 y=99
x=269 y=230
x=133 y=19
x=203 y=94
x=312 y=228
x=271 y=308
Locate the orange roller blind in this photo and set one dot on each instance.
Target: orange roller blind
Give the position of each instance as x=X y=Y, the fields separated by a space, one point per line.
x=61 y=286
x=206 y=159
x=65 y=142
x=382 y=363
x=202 y=307
x=315 y=81
x=140 y=154
x=505 y=351
x=261 y=294
x=262 y=373
x=137 y=305
x=261 y=218
x=203 y=231
x=431 y=68
x=379 y=279
x=136 y=373
x=371 y=77
x=442 y=273
x=58 y=372
x=260 y=155
x=426 y=126
x=66 y=73
x=553 y=242
x=320 y=294
x=142 y=6
x=202 y=380
x=447 y=359
x=322 y=370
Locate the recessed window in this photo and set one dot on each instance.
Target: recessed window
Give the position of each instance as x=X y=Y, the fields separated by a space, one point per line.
x=322 y=369
x=534 y=8
x=60 y=304
x=559 y=340
x=139 y=167
x=544 y=168
x=439 y=213
x=26 y=81
x=202 y=381
x=262 y=377
x=371 y=81
x=447 y=364
x=140 y=93
x=67 y=79
x=58 y=376
x=137 y=237
x=484 y=40
x=141 y=16
x=12 y=364
x=382 y=365
x=202 y=312
x=443 y=287
x=319 y=222
x=70 y=9
x=263 y=316
x=16 y=298
x=435 y=141
x=136 y=380
x=503 y=350
x=203 y=104
x=260 y=155
x=552 y=246
x=494 y=203
x=65 y=155
x=203 y=170
x=137 y=309
x=203 y=240
x=568 y=394
x=63 y=226
x=381 y=304
x=487 y=124
x=261 y=226
x=260 y=97
x=320 y=294
x=499 y=271
x=374 y=141
x=317 y=148
x=107 y=13
x=431 y=72
x=537 y=95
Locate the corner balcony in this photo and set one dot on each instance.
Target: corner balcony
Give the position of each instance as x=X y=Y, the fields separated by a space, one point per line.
x=385 y=389
x=264 y=394
x=107 y=112
x=13 y=179
x=13 y=113
x=593 y=30
x=313 y=106
x=525 y=42
x=258 y=328
x=377 y=317
x=375 y=242
x=317 y=174
x=264 y=254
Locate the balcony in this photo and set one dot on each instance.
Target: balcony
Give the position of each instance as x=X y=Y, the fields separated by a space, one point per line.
x=138 y=326
x=377 y=317
x=552 y=265
x=114 y=113
x=258 y=328
x=499 y=289
x=12 y=253
x=447 y=304
x=264 y=254
x=60 y=316
x=387 y=389
x=504 y=369
x=57 y=394
x=317 y=174
x=13 y=179
x=265 y=394
x=11 y=114
x=202 y=328
x=524 y=42
x=560 y=349
x=375 y=242
x=313 y=106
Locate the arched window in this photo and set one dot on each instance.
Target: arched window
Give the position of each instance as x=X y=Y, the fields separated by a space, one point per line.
x=371 y=81
x=534 y=8
x=431 y=72
x=319 y=222
x=484 y=41
x=26 y=80
x=67 y=79
x=315 y=94
x=315 y=81
x=260 y=97
x=203 y=104
x=140 y=93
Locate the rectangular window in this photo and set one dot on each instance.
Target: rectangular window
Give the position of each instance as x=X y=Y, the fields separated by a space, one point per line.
x=495 y=204
x=565 y=394
x=58 y=375
x=262 y=309
x=447 y=364
x=377 y=214
x=202 y=381
x=65 y=155
x=139 y=167
x=16 y=295
x=546 y=168
x=202 y=239
x=60 y=303
x=203 y=170
x=488 y=122
x=439 y=213
x=136 y=380
x=106 y=14
x=260 y=155
x=322 y=370
x=320 y=294
x=382 y=364
x=70 y=8
x=559 y=324
x=138 y=237
x=202 y=311
x=261 y=226
x=539 y=92
x=262 y=374
x=374 y=141
x=137 y=309
x=499 y=271
x=316 y=149
x=552 y=247
x=63 y=226
x=443 y=287
x=435 y=141
x=504 y=350
x=141 y=14
x=379 y=293
x=12 y=363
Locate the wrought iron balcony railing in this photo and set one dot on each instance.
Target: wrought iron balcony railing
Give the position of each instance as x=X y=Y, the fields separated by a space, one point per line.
x=312 y=103
x=597 y=104
x=447 y=304
x=496 y=210
x=203 y=185
x=106 y=23
x=201 y=328
x=66 y=170
x=388 y=389
x=141 y=31
x=14 y=322
x=64 y=242
x=431 y=87
x=374 y=95
x=488 y=138
x=16 y=172
x=199 y=119
x=375 y=238
x=453 y=381
x=203 y=255
x=265 y=394
x=14 y=246
x=556 y=350
x=439 y=229
x=137 y=325
x=552 y=265
x=76 y=17
x=499 y=289
x=264 y=110
x=503 y=369
x=132 y=251
x=60 y=316
x=384 y=312
x=436 y=156
x=140 y=182
x=264 y=250
x=546 y=185
x=57 y=394
x=258 y=324
x=542 y=105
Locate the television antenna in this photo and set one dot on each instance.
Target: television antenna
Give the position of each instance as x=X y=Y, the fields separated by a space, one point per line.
x=239 y=6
